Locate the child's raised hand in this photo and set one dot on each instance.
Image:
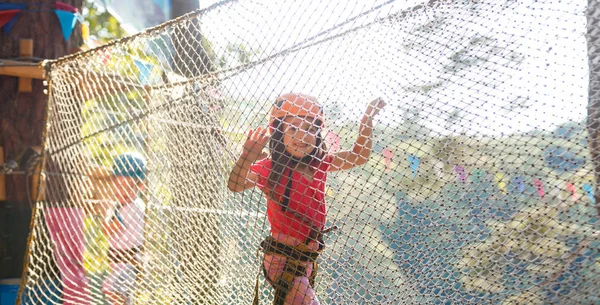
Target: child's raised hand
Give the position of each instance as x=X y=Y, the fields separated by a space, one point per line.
x=255 y=143
x=375 y=106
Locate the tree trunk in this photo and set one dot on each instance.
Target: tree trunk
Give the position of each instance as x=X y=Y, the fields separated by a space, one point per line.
x=190 y=58
x=22 y=117
x=593 y=119
x=200 y=243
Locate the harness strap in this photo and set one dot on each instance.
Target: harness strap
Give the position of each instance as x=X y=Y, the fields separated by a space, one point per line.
x=295 y=256
x=257 y=286
x=270 y=245
x=291 y=270
x=288 y=190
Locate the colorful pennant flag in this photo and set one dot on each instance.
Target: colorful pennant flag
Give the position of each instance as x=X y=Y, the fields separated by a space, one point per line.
x=85 y=32
x=333 y=141
x=8 y=25
x=414 y=165
x=388 y=155
x=67 y=22
x=439 y=169
x=65 y=7
x=6 y=16
x=589 y=192
x=145 y=69
x=478 y=174
x=500 y=181
x=573 y=190
x=519 y=183
x=540 y=187
x=462 y=174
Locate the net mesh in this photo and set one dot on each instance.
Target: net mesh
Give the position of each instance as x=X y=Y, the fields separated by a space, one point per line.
x=479 y=188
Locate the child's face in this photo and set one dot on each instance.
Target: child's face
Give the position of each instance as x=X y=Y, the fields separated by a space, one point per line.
x=127 y=188
x=300 y=135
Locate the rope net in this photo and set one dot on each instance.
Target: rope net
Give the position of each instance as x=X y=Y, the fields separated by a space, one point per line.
x=479 y=188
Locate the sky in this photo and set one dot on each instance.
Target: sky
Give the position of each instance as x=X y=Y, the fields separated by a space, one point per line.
x=546 y=36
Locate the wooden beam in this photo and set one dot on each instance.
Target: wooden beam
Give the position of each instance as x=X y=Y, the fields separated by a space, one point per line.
x=21 y=69
x=96 y=83
x=25 y=50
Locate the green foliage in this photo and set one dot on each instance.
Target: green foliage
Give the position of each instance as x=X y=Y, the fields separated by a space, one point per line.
x=103 y=26
x=536 y=237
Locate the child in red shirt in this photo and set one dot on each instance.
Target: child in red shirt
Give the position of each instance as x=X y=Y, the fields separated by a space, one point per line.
x=293 y=180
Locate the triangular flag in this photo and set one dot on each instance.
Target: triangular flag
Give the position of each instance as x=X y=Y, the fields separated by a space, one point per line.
x=85 y=32
x=388 y=155
x=501 y=183
x=589 y=192
x=10 y=24
x=414 y=165
x=573 y=190
x=80 y=17
x=439 y=169
x=333 y=140
x=64 y=7
x=7 y=16
x=477 y=175
x=519 y=183
x=462 y=174
x=67 y=22
x=144 y=69
x=539 y=186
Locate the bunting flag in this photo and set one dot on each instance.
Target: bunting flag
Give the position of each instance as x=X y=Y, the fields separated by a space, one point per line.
x=414 y=165
x=67 y=22
x=388 y=155
x=85 y=32
x=61 y=6
x=7 y=16
x=519 y=183
x=8 y=24
x=439 y=169
x=333 y=140
x=462 y=174
x=572 y=190
x=500 y=181
x=479 y=173
x=589 y=191
x=540 y=187
x=9 y=13
x=145 y=69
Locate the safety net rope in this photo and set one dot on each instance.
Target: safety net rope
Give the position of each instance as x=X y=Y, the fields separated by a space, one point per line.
x=479 y=188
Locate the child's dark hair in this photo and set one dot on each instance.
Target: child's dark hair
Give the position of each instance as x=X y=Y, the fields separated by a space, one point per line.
x=281 y=158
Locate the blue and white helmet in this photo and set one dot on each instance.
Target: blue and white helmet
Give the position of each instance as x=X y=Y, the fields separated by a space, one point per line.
x=130 y=164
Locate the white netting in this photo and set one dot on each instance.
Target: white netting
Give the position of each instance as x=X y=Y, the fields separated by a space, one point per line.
x=479 y=189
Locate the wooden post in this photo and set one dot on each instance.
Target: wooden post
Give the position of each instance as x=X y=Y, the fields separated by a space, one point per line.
x=2 y=177
x=25 y=50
